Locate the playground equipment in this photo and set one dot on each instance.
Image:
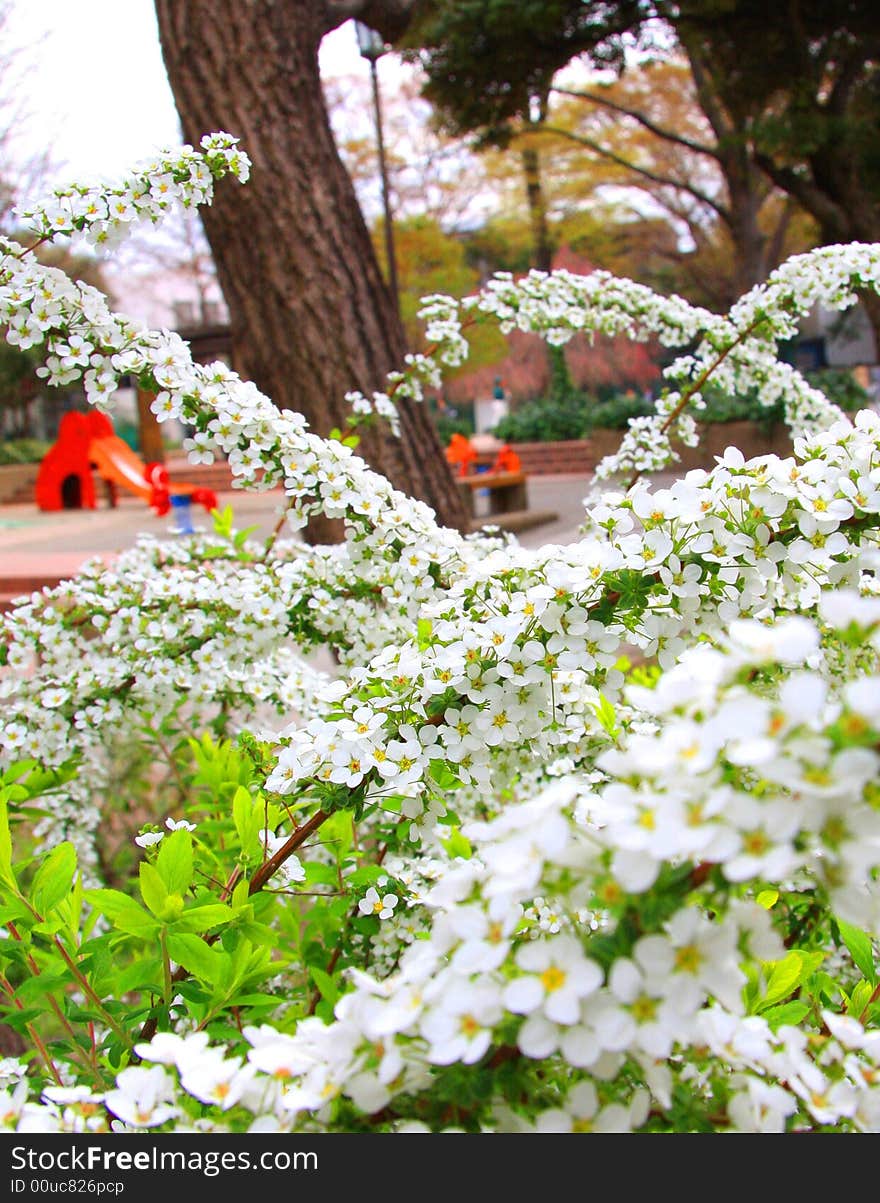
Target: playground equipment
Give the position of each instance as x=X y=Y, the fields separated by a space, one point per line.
x=86 y=441
x=462 y=453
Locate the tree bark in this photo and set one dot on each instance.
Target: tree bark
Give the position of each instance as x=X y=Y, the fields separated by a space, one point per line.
x=542 y=251
x=311 y=316
x=150 y=442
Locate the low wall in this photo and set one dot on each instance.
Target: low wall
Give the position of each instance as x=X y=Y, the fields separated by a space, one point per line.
x=576 y=457
x=17 y=482
x=581 y=455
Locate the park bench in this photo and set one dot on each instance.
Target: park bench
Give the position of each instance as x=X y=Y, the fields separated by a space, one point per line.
x=506 y=491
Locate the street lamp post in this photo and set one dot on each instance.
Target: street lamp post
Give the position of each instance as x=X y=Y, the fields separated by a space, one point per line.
x=372 y=47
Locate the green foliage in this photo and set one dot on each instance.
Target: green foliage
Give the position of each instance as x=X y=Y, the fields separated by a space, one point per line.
x=457 y=421
x=841 y=387
x=22 y=451
x=486 y=59
x=570 y=414
x=545 y=421
x=615 y=413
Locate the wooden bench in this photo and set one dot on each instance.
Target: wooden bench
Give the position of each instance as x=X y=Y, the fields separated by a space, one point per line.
x=507 y=491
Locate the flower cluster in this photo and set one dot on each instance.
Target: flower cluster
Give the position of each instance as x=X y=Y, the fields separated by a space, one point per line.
x=582 y=838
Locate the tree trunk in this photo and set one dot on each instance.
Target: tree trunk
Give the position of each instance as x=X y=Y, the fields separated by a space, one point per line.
x=542 y=251
x=150 y=442
x=749 y=240
x=310 y=314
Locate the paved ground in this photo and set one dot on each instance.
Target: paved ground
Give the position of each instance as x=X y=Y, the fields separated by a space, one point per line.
x=36 y=544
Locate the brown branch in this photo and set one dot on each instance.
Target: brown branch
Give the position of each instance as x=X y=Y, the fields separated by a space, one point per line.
x=655 y=177
x=262 y=875
x=659 y=131
x=874 y=997
x=9 y=991
x=698 y=384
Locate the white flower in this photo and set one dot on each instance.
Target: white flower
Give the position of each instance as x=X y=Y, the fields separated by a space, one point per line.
x=143 y=1097
x=179 y=825
x=213 y=1079
x=581 y=1112
x=147 y=838
x=373 y=904
x=458 y=1026
x=557 y=976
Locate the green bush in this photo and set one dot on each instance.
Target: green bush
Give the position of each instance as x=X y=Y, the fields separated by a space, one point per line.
x=447 y=426
x=841 y=387
x=551 y=420
x=545 y=421
x=22 y=451
x=615 y=413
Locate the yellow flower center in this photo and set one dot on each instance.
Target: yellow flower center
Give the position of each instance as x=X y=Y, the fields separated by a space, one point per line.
x=644 y=1009
x=469 y=1026
x=610 y=893
x=688 y=958
x=756 y=842
x=553 y=978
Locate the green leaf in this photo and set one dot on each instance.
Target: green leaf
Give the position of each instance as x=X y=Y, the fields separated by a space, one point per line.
x=248 y=818
x=443 y=775
x=338 y=833
x=123 y=912
x=21 y=768
x=458 y=845
x=153 y=889
x=326 y=985
x=255 y=1000
x=788 y=1013
x=367 y=875
x=222 y=520
x=241 y=537
x=860 y=949
x=174 y=863
x=783 y=980
x=424 y=630
x=606 y=715
x=861 y=996
x=7 y=876
x=201 y=918
x=197 y=957
x=767 y=899
x=54 y=877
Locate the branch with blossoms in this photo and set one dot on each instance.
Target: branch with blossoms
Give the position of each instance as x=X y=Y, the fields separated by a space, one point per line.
x=489 y=875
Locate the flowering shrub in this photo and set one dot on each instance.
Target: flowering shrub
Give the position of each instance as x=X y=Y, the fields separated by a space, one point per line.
x=582 y=838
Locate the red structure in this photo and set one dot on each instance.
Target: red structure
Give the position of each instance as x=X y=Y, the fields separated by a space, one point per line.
x=506 y=460
x=461 y=453
x=88 y=441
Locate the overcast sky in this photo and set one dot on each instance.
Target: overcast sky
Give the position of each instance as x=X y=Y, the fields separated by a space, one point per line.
x=94 y=87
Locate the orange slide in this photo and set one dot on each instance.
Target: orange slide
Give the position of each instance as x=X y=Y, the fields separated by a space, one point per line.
x=87 y=441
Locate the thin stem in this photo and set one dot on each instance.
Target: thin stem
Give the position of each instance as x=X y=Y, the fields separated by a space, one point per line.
x=698 y=384
x=875 y=995
x=91 y=1062
x=170 y=760
x=166 y=968
x=278 y=528
x=287 y=849
x=9 y=991
x=88 y=990
x=263 y=874
x=28 y=250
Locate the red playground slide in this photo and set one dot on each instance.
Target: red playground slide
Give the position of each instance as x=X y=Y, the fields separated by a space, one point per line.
x=87 y=441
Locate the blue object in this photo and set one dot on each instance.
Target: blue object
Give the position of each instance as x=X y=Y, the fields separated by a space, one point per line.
x=181 y=515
